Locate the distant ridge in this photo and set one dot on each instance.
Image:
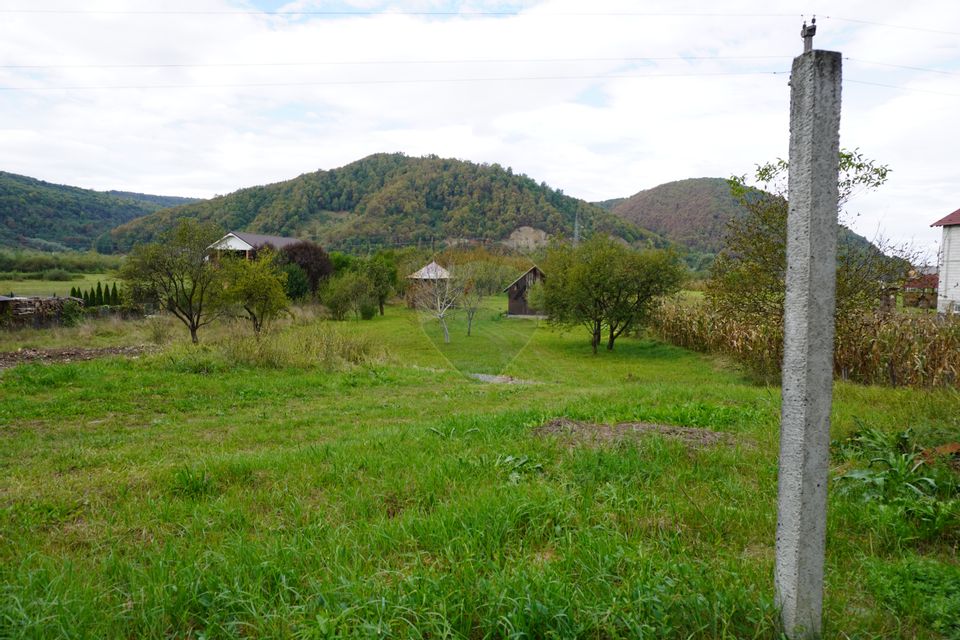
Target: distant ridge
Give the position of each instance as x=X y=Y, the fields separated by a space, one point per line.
x=35 y=214
x=387 y=200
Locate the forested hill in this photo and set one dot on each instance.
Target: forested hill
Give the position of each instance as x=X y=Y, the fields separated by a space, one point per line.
x=390 y=199
x=161 y=202
x=52 y=217
x=693 y=212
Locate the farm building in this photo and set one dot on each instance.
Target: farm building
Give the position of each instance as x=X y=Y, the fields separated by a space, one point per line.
x=250 y=243
x=517 y=304
x=948 y=295
x=920 y=289
x=432 y=271
x=431 y=278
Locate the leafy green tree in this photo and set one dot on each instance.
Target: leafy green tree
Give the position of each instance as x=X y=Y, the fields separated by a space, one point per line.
x=748 y=277
x=114 y=295
x=349 y=292
x=602 y=284
x=177 y=272
x=297 y=285
x=256 y=286
x=381 y=271
x=98 y=296
x=477 y=280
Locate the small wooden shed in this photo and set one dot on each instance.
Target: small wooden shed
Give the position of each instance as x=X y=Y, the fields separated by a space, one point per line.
x=517 y=304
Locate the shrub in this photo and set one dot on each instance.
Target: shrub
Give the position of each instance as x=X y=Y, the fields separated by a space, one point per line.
x=59 y=275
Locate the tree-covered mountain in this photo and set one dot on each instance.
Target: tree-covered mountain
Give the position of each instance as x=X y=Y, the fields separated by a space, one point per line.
x=693 y=213
x=52 y=217
x=161 y=202
x=391 y=199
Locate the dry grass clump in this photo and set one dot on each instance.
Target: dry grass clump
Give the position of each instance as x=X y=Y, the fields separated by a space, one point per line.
x=317 y=345
x=877 y=348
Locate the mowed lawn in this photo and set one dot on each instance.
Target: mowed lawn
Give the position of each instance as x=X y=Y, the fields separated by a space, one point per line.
x=58 y=287
x=175 y=495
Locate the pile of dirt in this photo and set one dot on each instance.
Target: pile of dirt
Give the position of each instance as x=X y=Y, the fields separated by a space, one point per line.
x=574 y=432
x=71 y=354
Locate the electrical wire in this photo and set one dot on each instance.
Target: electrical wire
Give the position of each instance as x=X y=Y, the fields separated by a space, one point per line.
x=391 y=82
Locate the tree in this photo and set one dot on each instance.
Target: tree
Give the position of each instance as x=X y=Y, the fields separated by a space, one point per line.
x=436 y=298
x=747 y=279
x=602 y=284
x=477 y=280
x=98 y=296
x=350 y=291
x=256 y=286
x=114 y=295
x=381 y=271
x=310 y=257
x=297 y=284
x=177 y=272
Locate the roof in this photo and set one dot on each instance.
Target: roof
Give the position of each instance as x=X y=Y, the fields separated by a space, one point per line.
x=257 y=240
x=524 y=275
x=432 y=271
x=925 y=281
x=243 y=241
x=949 y=221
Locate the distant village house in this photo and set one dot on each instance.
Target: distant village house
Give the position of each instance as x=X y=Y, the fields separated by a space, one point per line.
x=247 y=244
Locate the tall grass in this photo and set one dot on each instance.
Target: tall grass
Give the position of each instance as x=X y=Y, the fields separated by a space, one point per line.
x=317 y=345
x=888 y=349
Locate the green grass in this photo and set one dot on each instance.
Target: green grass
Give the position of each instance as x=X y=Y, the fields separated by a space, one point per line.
x=160 y=498
x=51 y=287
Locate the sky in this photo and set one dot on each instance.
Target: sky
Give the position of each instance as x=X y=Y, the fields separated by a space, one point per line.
x=601 y=99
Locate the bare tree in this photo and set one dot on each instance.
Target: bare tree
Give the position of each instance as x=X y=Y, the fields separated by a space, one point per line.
x=438 y=299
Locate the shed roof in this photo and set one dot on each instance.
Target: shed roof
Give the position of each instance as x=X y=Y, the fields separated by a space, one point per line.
x=949 y=221
x=432 y=271
x=534 y=268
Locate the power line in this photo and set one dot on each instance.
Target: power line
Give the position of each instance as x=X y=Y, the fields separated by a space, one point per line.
x=178 y=65
x=894 y=26
x=907 y=67
x=902 y=88
x=391 y=82
x=360 y=12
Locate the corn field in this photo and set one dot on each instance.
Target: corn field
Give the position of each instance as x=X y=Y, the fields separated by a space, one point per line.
x=892 y=349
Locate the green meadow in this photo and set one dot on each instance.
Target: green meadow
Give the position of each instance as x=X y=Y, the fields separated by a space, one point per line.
x=352 y=480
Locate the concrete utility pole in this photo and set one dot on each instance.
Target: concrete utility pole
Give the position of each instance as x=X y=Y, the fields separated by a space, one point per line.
x=808 y=339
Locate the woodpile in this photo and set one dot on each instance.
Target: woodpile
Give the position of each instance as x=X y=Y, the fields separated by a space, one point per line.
x=34 y=310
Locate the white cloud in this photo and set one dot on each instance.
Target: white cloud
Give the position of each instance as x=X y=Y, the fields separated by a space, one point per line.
x=227 y=126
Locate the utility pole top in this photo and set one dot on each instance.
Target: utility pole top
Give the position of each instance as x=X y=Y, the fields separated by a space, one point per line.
x=807 y=34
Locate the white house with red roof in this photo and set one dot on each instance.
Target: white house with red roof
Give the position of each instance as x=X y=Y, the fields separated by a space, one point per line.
x=948 y=296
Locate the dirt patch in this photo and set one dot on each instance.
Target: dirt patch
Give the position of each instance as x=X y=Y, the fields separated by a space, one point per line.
x=73 y=354
x=574 y=432
x=486 y=377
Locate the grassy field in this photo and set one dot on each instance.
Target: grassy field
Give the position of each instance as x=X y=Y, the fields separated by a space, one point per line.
x=196 y=493
x=58 y=287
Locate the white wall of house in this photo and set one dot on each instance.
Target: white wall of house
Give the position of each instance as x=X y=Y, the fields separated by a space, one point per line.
x=948 y=297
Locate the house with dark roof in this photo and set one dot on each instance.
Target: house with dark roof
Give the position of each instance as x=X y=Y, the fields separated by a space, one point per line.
x=948 y=294
x=247 y=243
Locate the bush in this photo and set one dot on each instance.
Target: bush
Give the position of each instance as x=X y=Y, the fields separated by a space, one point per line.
x=57 y=275
x=71 y=313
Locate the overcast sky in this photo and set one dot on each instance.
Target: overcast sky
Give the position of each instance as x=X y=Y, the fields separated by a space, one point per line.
x=601 y=98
